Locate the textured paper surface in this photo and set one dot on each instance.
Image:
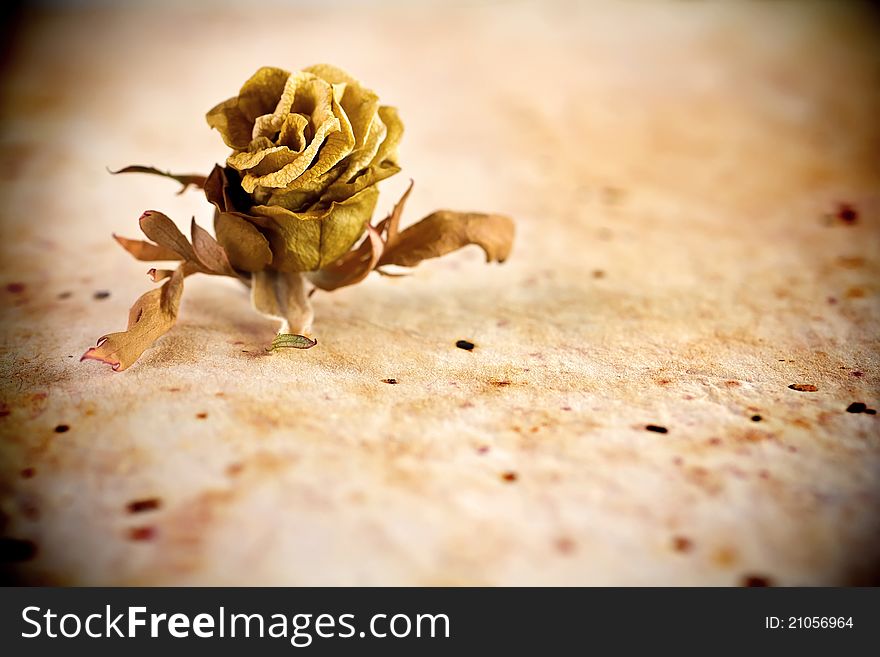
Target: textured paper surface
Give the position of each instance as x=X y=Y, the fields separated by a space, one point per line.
x=668 y=166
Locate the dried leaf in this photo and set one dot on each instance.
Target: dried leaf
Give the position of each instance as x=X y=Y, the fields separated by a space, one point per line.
x=209 y=253
x=389 y=226
x=351 y=268
x=291 y=341
x=151 y=316
x=389 y=274
x=205 y=254
x=223 y=190
x=247 y=248
x=146 y=250
x=282 y=296
x=159 y=228
x=445 y=231
x=157 y=275
x=187 y=179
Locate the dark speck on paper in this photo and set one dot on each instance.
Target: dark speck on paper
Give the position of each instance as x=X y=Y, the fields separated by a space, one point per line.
x=466 y=345
x=147 y=504
x=141 y=533
x=682 y=544
x=846 y=213
x=656 y=428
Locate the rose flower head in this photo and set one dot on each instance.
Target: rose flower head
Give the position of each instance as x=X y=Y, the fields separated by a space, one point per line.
x=308 y=150
x=296 y=196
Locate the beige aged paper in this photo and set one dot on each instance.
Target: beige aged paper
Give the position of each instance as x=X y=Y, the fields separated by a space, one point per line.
x=669 y=166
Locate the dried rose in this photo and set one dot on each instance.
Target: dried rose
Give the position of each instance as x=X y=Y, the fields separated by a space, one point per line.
x=297 y=194
x=309 y=148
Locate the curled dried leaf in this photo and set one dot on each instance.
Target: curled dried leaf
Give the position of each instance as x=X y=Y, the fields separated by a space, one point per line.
x=210 y=254
x=389 y=225
x=392 y=274
x=151 y=316
x=186 y=180
x=154 y=313
x=247 y=248
x=351 y=268
x=159 y=228
x=205 y=254
x=445 y=231
x=146 y=250
x=157 y=275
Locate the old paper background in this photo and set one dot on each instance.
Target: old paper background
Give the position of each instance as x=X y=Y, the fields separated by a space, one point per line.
x=669 y=166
